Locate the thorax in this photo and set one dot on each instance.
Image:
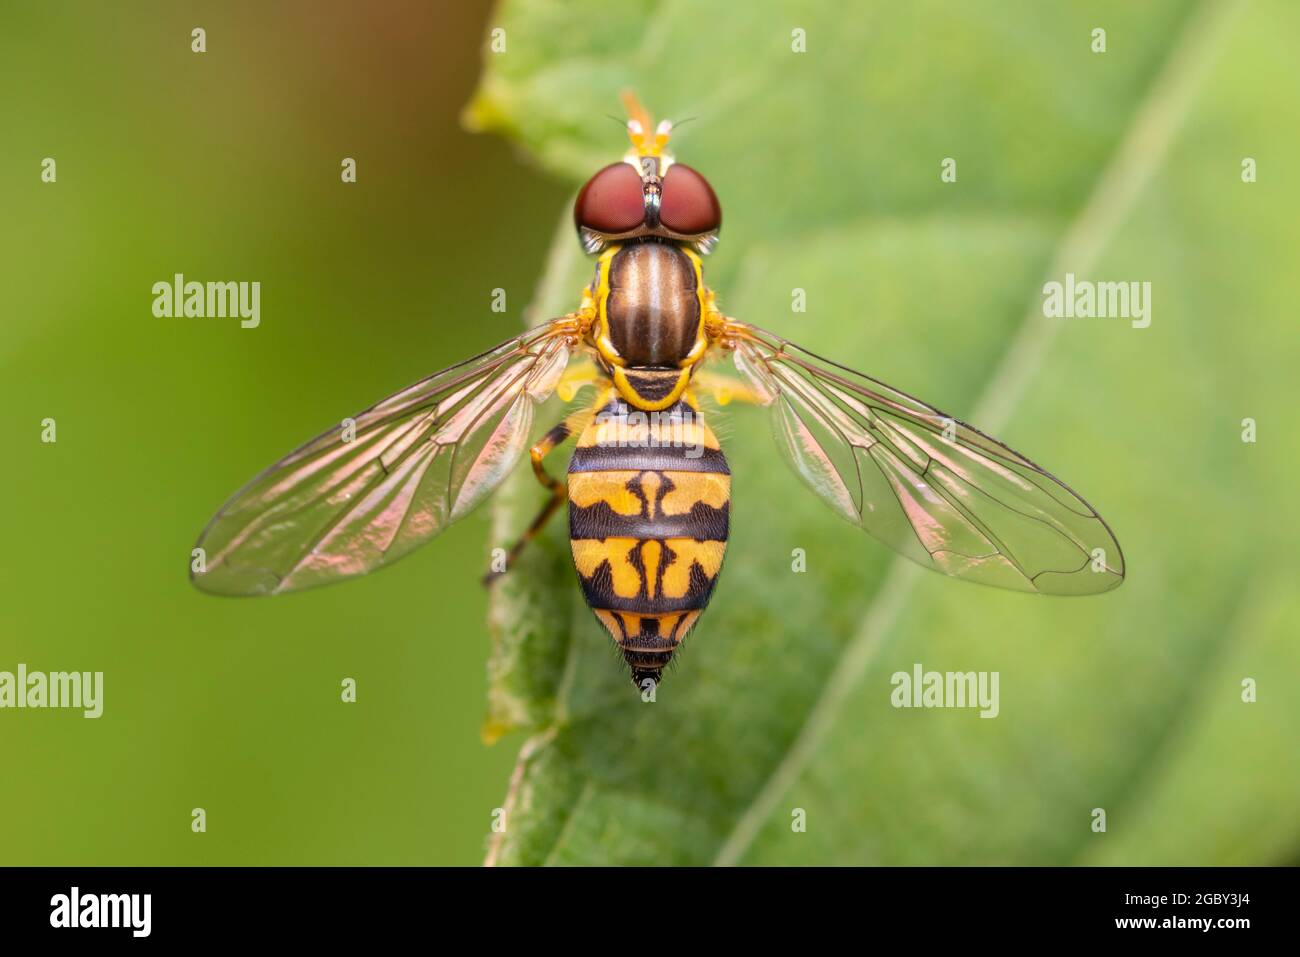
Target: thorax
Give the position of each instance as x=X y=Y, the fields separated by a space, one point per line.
x=650 y=329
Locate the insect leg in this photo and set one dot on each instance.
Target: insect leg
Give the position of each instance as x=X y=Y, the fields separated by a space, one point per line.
x=573 y=424
x=725 y=388
x=576 y=377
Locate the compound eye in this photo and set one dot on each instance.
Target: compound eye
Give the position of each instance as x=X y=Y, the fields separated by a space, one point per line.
x=612 y=201
x=689 y=205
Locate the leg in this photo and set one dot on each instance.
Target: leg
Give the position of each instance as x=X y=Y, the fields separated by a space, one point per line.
x=572 y=425
x=725 y=388
x=579 y=375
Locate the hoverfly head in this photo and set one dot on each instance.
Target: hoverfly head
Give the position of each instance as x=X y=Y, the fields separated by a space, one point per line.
x=648 y=194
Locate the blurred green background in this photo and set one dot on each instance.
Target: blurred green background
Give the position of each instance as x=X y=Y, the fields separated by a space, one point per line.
x=226 y=166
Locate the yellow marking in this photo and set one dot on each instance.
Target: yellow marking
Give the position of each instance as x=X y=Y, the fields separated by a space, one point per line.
x=652 y=553
x=604 y=345
x=687 y=623
x=648 y=431
x=697 y=350
x=592 y=434
x=591 y=488
x=706 y=303
x=678 y=622
x=610 y=620
x=677 y=576
x=616 y=622
x=650 y=483
x=589 y=553
x=635 y=400
x=689 y=432
x=711 y=488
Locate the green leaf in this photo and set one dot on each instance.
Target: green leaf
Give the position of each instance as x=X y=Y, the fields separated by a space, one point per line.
x=1123 y=166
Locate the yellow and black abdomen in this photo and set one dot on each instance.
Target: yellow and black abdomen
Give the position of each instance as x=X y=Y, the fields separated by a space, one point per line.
x=649 y=511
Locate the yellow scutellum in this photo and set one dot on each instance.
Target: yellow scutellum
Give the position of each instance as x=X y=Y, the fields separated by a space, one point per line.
x=639 y=125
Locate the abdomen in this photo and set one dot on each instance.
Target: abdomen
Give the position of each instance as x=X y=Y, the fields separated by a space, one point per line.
x=649 y=512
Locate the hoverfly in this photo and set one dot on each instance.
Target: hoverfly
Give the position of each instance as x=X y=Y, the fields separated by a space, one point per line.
x=648 y=486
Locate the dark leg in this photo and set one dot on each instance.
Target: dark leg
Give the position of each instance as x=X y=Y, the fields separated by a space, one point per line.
x=572 y=425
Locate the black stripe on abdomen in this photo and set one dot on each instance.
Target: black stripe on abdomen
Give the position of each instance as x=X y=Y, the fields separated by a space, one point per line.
x=703 y=523
x=598 y=458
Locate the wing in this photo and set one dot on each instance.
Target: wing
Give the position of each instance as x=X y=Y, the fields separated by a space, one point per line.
x=370 y=490
x=934 y=489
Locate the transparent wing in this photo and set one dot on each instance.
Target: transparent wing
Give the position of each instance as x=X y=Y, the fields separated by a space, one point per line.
x=373 y=488
x=934 y=489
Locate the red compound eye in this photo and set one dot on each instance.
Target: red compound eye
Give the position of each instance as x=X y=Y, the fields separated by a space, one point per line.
x=612 y=201
x=689 y=205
